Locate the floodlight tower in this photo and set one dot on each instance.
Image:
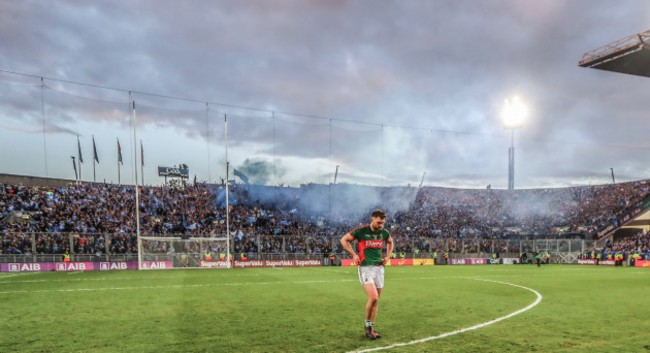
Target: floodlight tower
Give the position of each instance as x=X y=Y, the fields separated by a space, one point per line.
x=513 y=114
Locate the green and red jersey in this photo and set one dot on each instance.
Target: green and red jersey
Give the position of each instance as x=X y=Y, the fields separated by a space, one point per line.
x=370 y=244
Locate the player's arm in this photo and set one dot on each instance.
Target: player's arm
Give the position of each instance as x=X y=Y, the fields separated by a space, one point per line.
x=345 y=242
x=389 y=249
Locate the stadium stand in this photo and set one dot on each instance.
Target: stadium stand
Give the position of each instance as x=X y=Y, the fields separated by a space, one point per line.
x=98 y=218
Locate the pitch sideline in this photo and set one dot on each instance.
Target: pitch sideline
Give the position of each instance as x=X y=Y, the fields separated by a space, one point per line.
x=537 y=301
x=179 y=286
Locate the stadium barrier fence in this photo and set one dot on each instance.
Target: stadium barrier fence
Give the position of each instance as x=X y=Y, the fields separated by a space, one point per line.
x=96 y=247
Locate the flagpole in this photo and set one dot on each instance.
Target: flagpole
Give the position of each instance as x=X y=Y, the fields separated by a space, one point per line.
x=141 y=163
x=94 y=154
x=137 y=191
x=80 y=158
x=119 y=182
x=225 y=120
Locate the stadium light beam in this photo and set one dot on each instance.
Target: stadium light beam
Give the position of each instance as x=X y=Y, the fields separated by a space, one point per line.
x=514 y=113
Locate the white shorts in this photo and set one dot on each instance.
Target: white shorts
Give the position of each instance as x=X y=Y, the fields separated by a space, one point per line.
x=372 y=275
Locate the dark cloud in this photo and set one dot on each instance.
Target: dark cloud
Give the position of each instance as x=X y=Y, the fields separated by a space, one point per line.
x=429 y=76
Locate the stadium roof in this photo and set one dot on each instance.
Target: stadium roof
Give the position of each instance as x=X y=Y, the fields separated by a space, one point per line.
x=630 y=55
x=642 y=221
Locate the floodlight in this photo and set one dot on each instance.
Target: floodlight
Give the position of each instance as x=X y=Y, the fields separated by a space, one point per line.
x=514 y=113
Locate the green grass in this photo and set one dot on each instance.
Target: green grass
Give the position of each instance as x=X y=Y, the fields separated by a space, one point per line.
x=584 y=308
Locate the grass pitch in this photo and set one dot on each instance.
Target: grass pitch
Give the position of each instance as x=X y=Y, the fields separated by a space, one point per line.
x=584 y=308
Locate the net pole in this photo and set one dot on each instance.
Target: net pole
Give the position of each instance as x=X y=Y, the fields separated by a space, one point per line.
x=207 y=139
x=43 y=116
x=275 y=177
x=382 y=155
x=137 y=192
x=225 y=122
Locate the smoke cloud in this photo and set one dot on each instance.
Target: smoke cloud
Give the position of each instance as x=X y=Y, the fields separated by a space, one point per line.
x=337 y=203
x=261 y=172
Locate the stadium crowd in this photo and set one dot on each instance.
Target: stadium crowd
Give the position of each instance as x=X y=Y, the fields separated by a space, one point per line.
x=99 y=218
x=624 y=248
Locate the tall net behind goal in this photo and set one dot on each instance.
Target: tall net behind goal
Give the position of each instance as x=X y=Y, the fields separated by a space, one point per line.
x=186 y=253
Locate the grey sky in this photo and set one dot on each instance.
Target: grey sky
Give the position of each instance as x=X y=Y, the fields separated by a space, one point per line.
x=428 y=77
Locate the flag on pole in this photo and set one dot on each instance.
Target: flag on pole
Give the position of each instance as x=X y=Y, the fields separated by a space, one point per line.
x=141 y=154
x=81 y=158
x=74 y=165
x=241 y=176
x=95 y=150
x=119 y=152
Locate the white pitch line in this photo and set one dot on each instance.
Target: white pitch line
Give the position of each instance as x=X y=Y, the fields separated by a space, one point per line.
x=20 y=274
x=539 y=299
x=180 y=286
x=7 y=276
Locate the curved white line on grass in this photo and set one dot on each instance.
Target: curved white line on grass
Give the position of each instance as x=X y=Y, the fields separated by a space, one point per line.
x=539 y=299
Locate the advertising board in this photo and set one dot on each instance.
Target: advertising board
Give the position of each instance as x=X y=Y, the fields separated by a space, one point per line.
x=642 y=263
x=82 y=266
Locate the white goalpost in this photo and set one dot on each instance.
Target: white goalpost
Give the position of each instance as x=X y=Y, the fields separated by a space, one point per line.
x=186 y=253
x=195 y=252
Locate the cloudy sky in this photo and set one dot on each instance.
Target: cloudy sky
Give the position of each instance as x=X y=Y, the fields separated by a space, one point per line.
x=389 y=91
